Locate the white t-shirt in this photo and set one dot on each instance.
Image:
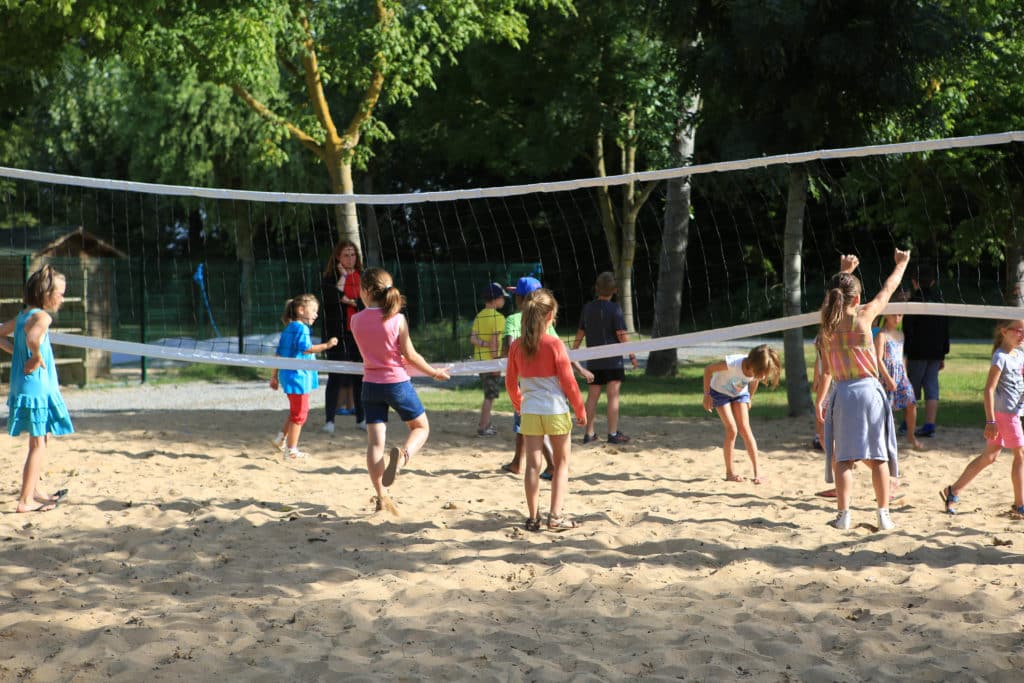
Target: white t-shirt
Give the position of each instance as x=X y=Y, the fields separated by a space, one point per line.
x=732 y=381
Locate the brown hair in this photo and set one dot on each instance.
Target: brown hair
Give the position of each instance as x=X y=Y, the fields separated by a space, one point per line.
x=332 y=264
x=764 y=361
x=842 y=289
x=41 y=285
x=380 y=287
x=605 y=285
x=1001 y=328
x=291 y=307
x=536 y=308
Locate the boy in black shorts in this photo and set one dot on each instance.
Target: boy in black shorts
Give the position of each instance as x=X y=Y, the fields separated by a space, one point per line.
x=602 y=322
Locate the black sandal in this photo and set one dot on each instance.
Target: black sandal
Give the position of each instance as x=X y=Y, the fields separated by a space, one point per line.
x=949 y=498
x=532 y=524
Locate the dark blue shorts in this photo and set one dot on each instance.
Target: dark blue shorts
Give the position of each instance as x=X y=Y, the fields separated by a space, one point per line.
x=401 y=396
x=718 y=399
x=924 y=376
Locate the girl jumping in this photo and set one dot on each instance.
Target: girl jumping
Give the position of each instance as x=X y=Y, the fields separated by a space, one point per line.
x=382 y=335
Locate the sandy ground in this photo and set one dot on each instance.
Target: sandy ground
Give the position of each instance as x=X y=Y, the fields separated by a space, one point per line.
x=188 y=551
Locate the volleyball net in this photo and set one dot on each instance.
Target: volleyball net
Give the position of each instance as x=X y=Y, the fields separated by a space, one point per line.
x=201 y=275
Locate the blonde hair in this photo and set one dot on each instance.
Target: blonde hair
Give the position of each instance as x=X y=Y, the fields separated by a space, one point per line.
x=380 y=287
x=1000 y=332
x=605 y=285
x=41 y=285
x=292 y=306
x=764 y=361
x=536 y=308
x=843 y=288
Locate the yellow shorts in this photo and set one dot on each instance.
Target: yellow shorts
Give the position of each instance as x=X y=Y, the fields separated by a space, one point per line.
x=545 y=425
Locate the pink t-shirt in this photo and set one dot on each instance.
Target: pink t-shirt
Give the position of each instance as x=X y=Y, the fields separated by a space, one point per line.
x=377 y=339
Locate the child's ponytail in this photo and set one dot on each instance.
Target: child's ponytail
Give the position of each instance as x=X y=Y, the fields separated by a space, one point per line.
x=378 y=284
x=843 y=288
x=292 y=306
x=538 y=305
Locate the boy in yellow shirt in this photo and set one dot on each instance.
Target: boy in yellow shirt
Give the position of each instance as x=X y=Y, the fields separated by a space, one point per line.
x=488 y=326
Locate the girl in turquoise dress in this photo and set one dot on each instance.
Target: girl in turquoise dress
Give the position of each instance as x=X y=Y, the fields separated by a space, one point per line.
x=35 y=404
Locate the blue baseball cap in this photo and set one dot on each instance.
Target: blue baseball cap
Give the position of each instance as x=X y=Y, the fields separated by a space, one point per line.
x=525 y=285
x=493 y=291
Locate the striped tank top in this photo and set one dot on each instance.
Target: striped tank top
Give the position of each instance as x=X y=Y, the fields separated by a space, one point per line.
x=851 y=355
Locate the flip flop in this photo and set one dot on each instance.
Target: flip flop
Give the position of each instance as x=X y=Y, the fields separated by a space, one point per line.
x=391 y=471
x=949 y=498
x=60 y=495
x=42 y=507
x=827 y=493
x=508 y=468
x=546 y=476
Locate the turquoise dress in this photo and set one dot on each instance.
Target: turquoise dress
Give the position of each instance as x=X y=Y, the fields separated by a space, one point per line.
x=35 y=403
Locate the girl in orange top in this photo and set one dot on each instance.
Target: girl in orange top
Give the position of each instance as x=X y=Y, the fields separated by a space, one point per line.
x=540 y=364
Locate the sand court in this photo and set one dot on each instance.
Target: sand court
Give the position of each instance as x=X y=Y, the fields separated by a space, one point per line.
x=187 y=550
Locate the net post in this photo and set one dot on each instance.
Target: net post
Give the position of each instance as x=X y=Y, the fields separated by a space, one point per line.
x=142 y=333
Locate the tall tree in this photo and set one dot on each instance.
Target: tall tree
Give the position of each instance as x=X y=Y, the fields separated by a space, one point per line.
x=812 y=75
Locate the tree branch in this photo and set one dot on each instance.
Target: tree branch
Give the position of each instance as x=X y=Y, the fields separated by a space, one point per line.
x=263 y=110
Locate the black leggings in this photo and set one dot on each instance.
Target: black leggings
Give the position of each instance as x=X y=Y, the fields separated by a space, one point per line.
x=346 y=350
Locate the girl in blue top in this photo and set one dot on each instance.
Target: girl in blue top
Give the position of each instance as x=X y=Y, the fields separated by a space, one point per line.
x=299 y=315
x=35 y=403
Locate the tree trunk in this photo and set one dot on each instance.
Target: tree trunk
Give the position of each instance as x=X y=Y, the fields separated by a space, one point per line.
x=340 y=172
x=624 y=270
x=675 y=239
x=371 y=229
x=797 y=388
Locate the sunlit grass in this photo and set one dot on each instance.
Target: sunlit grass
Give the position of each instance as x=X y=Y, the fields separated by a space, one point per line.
x=961 y=382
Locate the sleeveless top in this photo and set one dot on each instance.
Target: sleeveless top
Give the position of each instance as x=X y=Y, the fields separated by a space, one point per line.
x=378 y=342
x=35 y=403
x=851 y=355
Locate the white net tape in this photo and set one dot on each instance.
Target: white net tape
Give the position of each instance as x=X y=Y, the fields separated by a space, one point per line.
x=199 y=355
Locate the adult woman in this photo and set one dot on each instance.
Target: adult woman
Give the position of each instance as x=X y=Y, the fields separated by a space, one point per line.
x=857 y=415
x=340 y=295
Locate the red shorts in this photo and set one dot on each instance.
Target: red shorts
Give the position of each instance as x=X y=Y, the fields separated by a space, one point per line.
x=298 y=407
x=1010 y=433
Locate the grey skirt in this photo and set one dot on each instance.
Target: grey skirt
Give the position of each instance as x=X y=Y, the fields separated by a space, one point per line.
x=859 y=425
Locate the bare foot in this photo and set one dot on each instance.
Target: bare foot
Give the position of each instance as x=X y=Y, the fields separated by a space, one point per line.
x=42 y=507
x=510 y=468
x=918 y=446
x=827 y=493
x=734 y=477
x=759 y=480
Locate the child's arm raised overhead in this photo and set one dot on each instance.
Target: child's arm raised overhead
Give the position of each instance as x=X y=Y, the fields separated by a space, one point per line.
x=413 y=356
x=874 y=308
x=708 y=371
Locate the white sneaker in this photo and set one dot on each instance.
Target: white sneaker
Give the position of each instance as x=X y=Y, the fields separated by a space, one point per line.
x=328 y=428
x=278 y=442
x=295 y=454
x=842 y=521
x=361 y=425
x=885 y=522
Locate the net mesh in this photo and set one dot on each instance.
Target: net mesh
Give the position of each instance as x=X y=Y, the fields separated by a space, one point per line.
x=202 y=275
